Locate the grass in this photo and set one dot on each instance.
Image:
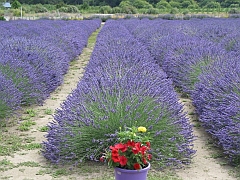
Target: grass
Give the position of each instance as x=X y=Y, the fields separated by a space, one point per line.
x=9 y=143
x=12 y=142
x=48 y=111
x=31 y=112
x=43 y=129
x=25 y=125
x=5 y=165
x=28 y=164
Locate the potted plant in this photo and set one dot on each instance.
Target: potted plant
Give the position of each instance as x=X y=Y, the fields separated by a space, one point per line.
x=130 y=156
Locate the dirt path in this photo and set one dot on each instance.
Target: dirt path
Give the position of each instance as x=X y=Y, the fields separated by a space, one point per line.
x=208 y=162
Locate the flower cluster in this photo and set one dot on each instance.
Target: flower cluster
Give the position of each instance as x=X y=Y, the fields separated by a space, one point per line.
x=132 y=152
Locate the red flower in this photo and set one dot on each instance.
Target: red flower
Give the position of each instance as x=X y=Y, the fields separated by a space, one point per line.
x=148 y=144
x=143 y=149
x=144 y=160
x=130 y=143
x=123 y=160
x=121 y=147
x=136 y=148
x=115 y=158
x=149 y=157
x=102 y=159
x=136 y=166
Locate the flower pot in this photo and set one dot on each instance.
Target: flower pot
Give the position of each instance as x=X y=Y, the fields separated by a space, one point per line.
x=125 y=174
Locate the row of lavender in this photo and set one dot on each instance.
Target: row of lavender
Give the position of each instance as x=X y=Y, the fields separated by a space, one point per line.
x=203 y=59
x=122 y=86
x=34 y=56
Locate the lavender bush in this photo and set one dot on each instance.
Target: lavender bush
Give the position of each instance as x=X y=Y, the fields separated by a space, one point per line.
x=121 y=86
x=217 y=100
x=10 y=97
x=34 y=55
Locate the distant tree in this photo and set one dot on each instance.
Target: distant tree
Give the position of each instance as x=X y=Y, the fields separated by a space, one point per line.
x=16 y=4
x=141 y=4
x=227 y=3
x=213 y=5
x=105 y=10
x=186 y=3
x=175 y=4
x=163 y=5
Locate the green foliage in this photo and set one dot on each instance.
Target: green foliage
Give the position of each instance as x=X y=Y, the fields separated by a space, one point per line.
x=124 y=4
x=174 y=11
x=69 y=9
x=141 y=4
x=38 y=8
x=60 y=4
x=44 y=129
x=4 y=109
x=16 y=4
x=175 y=4
x=234 y=6
x=31 y=112
x=26 y=8
x=105 y=10
x=212 y=5
x=48 y=111
x=25 y=125
x=2 y=18
x=186 y=11
x=163 y=5
x=234 y=11
x=152 y=11
x=116 y=10
x=17 y=12
x=129 y=10
x=50 y=7
x=186 y=4
x=9 y=143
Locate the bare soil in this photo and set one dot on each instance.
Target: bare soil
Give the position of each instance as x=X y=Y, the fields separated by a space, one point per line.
x=208 y=162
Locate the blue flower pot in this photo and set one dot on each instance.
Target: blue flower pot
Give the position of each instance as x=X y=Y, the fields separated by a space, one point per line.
x=125 y=174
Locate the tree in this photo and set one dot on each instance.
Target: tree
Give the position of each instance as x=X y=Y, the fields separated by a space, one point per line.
x=141 y=4
x=213 y=5
x=185 y=4
x=227 y=3
x=163 y=5
x=175 y=4
x=16 y=4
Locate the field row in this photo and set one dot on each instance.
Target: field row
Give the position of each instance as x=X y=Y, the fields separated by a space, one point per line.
x=202 y=57
x=122 y=86
x=34 y=56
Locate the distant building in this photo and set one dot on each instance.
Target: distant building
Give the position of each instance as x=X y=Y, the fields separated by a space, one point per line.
x=7 y=5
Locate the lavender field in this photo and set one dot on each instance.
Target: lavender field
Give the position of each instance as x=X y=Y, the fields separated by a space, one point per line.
x=136 y=73
x=202 y=57
x=34 y=56
x=135 y=65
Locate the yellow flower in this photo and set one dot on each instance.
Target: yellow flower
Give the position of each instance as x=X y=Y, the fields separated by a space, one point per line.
x=142 y=129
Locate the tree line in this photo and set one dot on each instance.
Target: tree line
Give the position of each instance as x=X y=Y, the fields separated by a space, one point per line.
x=144 y=3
